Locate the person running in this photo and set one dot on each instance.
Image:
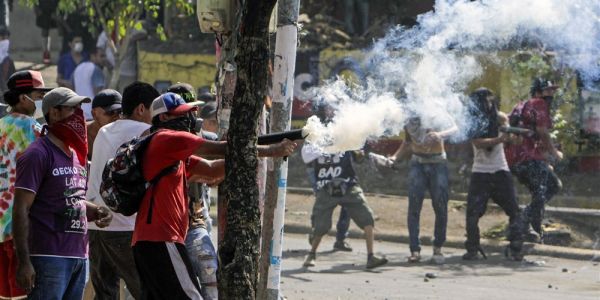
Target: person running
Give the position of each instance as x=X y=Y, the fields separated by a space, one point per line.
x=531 y=162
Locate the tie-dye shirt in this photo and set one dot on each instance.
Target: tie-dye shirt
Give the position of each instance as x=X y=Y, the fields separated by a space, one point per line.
x=17 y=131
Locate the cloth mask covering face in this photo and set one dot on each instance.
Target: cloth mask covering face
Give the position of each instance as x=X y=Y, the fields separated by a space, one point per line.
x=78 y=47
x=73 y=132
x=183 y=123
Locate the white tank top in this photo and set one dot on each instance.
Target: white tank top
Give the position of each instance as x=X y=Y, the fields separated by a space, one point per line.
x=489 y=160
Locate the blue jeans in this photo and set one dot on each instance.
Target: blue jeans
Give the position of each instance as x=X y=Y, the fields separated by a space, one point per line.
x=204 y=261
x=58 y=278
x=432 y=177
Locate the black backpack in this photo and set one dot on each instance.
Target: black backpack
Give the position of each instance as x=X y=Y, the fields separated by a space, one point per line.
x=123 y=184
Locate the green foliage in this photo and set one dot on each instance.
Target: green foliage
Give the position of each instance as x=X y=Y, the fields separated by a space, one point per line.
x=526 y=65
x=122 y=15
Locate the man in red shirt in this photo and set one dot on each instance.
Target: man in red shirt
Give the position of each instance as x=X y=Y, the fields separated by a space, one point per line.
x=163 y=218
x=534 y=156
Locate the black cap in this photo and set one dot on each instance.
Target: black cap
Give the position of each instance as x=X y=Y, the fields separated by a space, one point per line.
x=185 y=90
x=26 y=81
x=539 y=84
x=109 y=100
x=208 y=110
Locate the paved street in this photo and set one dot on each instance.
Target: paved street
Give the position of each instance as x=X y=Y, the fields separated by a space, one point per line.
x=342 y=275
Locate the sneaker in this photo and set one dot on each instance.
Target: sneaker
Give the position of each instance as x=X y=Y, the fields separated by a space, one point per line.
x=46 y=57
x=471 y=255
x=414 y=257
x=374 y=261
x=342 y=246
x=309 y=261
x=438 y=256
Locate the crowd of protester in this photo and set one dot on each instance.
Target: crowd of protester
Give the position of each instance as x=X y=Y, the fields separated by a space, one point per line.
x=500 y=152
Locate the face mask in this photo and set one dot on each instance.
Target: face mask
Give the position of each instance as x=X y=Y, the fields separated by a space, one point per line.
x=78 y=47
x=187 y=123
x=73 y=132
x=38 y=107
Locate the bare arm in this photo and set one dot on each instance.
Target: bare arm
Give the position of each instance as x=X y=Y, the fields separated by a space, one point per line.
x=22 y=204
x=544 y=135
x=448 y=132
x=208 y=171
x=404 y=151
x=217 y=149
x=489 y=142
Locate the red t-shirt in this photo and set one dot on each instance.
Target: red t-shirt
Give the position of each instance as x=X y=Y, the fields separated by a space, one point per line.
x=536 y=113
x=170 y=210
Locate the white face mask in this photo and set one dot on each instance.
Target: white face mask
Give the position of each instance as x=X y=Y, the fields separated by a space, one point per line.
x=78 y=47
x=38 y=107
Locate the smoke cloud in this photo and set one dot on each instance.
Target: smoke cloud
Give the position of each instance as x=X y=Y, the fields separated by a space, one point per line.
x=424 y=71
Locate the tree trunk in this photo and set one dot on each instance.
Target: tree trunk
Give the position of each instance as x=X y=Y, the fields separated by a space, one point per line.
x=238 y=250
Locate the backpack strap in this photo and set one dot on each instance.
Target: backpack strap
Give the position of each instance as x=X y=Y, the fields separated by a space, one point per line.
x=154 y=181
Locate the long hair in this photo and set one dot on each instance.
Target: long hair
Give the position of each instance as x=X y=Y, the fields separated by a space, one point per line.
x=484 y=119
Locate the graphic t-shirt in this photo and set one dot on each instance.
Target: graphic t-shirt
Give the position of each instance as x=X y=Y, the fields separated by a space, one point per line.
x=17 y=131
x=57 y=217
x=170 y=211
x=329 y=166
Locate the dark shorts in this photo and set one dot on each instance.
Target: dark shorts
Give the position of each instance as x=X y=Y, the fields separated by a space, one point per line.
x=353 y=201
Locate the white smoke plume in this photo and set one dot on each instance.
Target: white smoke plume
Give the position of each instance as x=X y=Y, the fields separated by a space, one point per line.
x=424 y=71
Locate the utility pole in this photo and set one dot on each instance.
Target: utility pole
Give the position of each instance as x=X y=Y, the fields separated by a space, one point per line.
x=274 y=211
x=239 y=243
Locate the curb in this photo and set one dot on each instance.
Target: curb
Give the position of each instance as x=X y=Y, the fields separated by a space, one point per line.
x=457 y=242
x=558 y=201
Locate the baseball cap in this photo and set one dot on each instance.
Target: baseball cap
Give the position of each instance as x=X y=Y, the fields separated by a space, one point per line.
x=173 y=104
x=540 y=84
x=185 y=90
x=61 y=96
x=26 y=81
x=208 y=110
x=108 y=99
